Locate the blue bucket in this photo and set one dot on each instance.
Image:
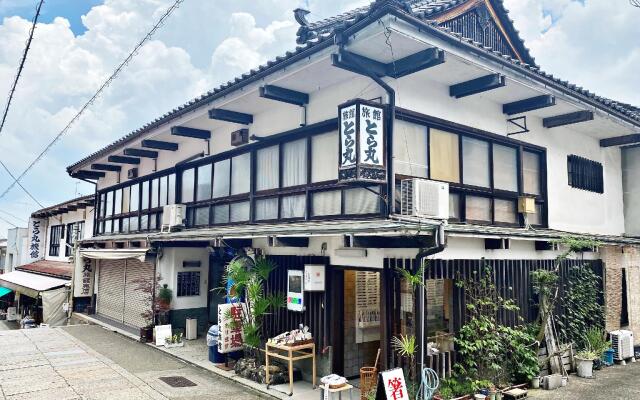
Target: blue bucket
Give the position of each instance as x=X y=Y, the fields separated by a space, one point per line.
x=607 y=357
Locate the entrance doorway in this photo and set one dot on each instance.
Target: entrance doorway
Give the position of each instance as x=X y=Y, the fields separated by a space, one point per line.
x=361 y=319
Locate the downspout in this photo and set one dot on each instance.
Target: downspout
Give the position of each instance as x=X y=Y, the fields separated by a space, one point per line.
x=391 y=93
x=440 y=245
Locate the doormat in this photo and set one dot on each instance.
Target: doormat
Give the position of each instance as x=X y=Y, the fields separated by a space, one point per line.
x=177 y=381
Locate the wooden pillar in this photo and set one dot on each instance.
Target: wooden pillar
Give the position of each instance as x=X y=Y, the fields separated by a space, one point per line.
x=386 y=311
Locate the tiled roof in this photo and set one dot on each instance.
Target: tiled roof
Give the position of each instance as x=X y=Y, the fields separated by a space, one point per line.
x=57 y=269
x=324 y=40
x=84 y=199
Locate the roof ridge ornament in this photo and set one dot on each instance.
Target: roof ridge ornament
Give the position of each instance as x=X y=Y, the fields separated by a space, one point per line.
x=401 y=4
x=300 y=14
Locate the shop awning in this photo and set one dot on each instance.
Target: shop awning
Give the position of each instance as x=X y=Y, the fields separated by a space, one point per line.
x=30 y=284
x=114 y=254
x=4 y=291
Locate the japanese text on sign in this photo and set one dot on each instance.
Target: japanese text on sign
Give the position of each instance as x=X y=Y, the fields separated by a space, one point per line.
x=230 y=324
x=348 y=136
x=35 y=239
x=395 y=386
x=371 y=136
x=87 y=273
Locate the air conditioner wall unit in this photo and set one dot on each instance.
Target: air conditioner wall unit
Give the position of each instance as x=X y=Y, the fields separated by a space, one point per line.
x=622 y=344
x=424 y=198
x=173 y=216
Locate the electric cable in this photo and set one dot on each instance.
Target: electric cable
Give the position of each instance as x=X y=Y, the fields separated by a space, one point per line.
x=93 y=98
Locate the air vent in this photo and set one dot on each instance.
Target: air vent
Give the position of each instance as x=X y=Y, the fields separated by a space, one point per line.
x=240 y=137
x=132 y=173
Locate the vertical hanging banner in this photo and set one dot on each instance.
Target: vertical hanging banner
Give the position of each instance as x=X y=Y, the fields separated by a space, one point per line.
x=362 y=141
x=230 y=327
x=37 y=231
x=83 y=277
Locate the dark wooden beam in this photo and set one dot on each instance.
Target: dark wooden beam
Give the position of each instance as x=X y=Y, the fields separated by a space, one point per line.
x=478 y=85
x=88 y=174
x=284 y=95
x=288 y=241
x=159 y=145
x=106 y=167
x=392 y=242
x=358 y=64
x=190 y=132
x=141 y=153
x=124 y=160
x=73 y=207
x=567 y=119
x=530 y=104
x=620 y=140
x=416 y=62
x=230 y=116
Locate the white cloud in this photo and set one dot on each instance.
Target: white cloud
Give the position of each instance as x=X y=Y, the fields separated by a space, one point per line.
x=593 y=43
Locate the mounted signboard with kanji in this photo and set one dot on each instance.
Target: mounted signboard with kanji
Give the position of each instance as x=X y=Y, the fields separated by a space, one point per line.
x=230 y=322
x=392 y=385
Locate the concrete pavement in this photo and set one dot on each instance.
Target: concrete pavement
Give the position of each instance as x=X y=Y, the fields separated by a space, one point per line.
x=88 y=362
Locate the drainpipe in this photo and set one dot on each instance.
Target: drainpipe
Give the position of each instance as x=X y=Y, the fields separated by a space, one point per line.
x=391 y=93
x=440 y=245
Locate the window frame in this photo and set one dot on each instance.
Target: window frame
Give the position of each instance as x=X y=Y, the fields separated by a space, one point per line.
x=55 y=240
x=585 y=174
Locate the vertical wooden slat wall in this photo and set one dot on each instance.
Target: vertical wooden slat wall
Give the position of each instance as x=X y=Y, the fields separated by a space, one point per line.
x=314 y=315
x=512 y=279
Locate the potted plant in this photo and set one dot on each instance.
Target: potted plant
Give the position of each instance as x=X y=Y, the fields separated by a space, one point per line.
x=147 y=286
x=595 y=338
x=173 y=341
x=164 y=303
x=584 y=361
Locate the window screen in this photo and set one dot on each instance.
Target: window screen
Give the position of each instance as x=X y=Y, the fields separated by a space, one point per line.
x=410 y=149
x=444 y=156
x=361 y=201
x=221 y=214
x=203 y=190
x=109 y=205
x=239 y=212
x=293 y=206
x=531 y=172
x=145 y=196
x=478 y=208
x=188 y=283
x=505 y=168
x=188 y=179
x=117 y=206
x=267 y=168
x=505 y=211
x=172 y=189
x=221 y=178
x=585 y=174
x=163 y=191
x=241 y=173
x=155 y=192
x=266 y=209
x=327 y=203
x=475 y=162
x=294 y=163
x=324 y=157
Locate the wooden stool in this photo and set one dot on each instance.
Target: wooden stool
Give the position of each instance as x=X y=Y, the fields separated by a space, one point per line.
x=338 y=390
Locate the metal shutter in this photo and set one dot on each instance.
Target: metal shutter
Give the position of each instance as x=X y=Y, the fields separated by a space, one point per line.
x=136 y=301
x=110 y=298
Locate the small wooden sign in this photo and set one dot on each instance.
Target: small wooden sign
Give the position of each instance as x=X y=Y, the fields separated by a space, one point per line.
x=162 y=333
x=392 y=385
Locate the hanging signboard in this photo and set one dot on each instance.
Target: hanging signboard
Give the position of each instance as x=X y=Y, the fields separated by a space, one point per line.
x=362 y=141
x=230 y=325
x=83 y=276
x=394 y=384
x=37 y=230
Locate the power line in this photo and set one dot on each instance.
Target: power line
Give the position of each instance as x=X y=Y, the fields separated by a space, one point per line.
x=106 y=83
x=15 y=181
x=21 y=65
x=13 y=89
x=13 y=216
x=8 y=222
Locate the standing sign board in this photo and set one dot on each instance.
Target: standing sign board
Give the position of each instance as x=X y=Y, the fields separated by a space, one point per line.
x=392 y=385
x=37 y=232
x=83 y=277
x=362 y=142
x=230 y=326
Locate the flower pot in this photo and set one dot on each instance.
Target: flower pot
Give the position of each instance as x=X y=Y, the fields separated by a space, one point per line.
x=535 y=382
x=584 y=367
x=564 y=381
x=479 y=396
x=146 y=334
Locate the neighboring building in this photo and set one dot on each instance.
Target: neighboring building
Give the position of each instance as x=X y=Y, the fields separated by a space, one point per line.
x=280 y=162
x=42 y=278
x=3 y=254
x=16 y=250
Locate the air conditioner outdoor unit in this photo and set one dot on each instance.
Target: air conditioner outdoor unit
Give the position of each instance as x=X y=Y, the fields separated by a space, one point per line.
x=424 y=198
x=622 y=344
x=173 y=216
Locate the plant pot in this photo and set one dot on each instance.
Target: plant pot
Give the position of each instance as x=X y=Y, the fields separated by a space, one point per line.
x=565 y=379
x=535 y=382
x=584 y=367
x=479 y=396
x=146 y=334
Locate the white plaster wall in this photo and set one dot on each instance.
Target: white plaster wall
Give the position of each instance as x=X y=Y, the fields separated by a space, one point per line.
x=85 y=215
x=16 y=247
x=631 y=179
x=169 y=266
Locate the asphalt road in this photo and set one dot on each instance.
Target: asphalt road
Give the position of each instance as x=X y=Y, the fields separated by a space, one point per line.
x=613 y=383
x=89 y=362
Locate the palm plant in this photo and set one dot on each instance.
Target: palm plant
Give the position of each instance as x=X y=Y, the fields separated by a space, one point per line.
x=249 y=280
x=406 y=346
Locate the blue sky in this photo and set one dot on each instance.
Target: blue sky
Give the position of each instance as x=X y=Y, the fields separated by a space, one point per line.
x=70 y=9
x=207 y=42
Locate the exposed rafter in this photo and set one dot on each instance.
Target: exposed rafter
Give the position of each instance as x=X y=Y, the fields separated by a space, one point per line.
x=478 y=85
x=190 y=132
x=620 y=140
x=124 y=160
x=408 y=65
x=230 y=116
x=284 y=95
x=159 y=145
x=106 y=167
x=83 y=174
x=141 y=153
x=530 y=104
x=567 y=119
